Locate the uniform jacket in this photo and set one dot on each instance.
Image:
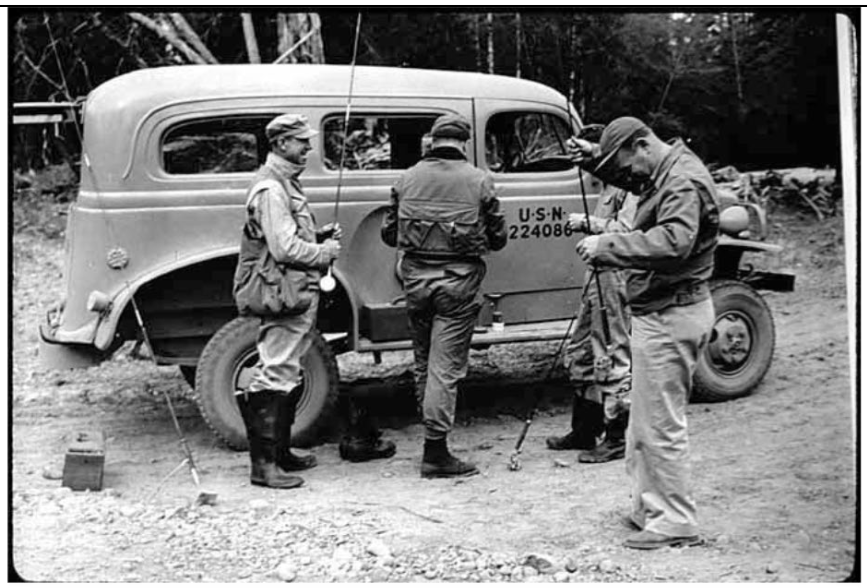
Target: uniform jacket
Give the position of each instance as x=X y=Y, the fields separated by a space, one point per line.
x=670 y=252
x=444 y=208
x=279 y=218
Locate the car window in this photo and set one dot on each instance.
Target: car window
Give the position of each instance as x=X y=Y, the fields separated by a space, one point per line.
x=375 y=141
x=522 y=142
x=216 y=145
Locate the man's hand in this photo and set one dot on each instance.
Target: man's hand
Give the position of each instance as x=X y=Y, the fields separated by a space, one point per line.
x=587 y=248
x=581 y=151
x=592 y=225
x=331 y=231
x=331 y=248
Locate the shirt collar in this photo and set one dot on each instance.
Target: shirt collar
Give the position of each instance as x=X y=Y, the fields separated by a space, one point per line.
x=664 y=165
x=283 y=166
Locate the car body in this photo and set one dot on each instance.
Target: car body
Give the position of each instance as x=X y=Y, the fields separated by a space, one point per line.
x=167 y=157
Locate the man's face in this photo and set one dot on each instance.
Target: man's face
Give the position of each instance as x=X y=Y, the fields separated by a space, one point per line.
x=294 y=149
x=635 y=166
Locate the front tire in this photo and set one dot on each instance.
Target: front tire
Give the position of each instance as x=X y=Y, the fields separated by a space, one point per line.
x=741 y=346
x=226 y=365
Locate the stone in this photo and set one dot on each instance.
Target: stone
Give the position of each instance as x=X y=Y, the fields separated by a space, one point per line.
x=571 y=565
x=562 y=463
x=561 y=576
x=542 y=563
x=286 y=572
x=378 y=548
x=261 y=508
x=606 y=566
x=52 y=473
x=529 y=571
x=774 y=567
x=431 y=574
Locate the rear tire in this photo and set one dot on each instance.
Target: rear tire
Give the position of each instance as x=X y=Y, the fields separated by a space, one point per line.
x=741 y=347
x=225 y=366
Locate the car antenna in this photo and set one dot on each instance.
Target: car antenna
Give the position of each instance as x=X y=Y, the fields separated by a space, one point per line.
x=327 y=282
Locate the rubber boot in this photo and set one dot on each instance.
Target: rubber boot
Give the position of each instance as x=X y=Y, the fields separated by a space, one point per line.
x=259 y=411
x=587 y=425
x=286 y=407
x=363 y=442
x=614 y=445
x=437 y=462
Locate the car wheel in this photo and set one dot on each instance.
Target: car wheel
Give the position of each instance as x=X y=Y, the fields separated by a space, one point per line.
x=741 y=345
x=189 y=374
x=226 y=365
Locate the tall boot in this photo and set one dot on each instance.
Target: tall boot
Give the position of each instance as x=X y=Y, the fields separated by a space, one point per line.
x=587 y=425
x=259 y=411
x=286 y=407
x=363 y=441
x=614 y=445
x=437 y=462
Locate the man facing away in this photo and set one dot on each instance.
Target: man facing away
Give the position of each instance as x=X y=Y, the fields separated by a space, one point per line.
x=444 y=217
x=280 y=224
x=669 y=256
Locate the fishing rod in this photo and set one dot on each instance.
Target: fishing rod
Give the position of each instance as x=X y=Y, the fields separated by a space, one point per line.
x=327 y=283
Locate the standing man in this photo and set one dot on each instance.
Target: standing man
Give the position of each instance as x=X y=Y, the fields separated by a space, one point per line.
x=670 y=257
x=444 y=217
x=280 y=241
x=599 y=362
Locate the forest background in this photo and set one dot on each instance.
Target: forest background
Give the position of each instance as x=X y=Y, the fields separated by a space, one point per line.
x=755 y=90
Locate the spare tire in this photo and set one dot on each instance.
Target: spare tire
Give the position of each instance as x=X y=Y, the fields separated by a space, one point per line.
x=225 y=366
x=741 y=345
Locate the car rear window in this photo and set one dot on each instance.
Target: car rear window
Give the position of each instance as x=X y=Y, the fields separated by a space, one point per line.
x=523 y=142
x=375 y=141
x=216 y=145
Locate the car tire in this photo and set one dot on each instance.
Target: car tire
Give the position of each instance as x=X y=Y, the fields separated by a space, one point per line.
x=225 y=365
x=741 y=346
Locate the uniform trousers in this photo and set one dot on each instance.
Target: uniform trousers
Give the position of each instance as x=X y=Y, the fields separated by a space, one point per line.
x=602 y=373
x=442 y=306
x=665 y=349
x=282 y=342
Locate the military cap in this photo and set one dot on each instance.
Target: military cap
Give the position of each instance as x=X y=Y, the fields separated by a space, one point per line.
x=615 y=135
x=292 y=125
x=451 y=125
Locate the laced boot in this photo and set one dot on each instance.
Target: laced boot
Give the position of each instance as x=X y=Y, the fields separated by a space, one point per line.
x=364 y=443
x=437 y=462
x=259 y=411
x=286 y=407
x=587 y=425
x=614 y=445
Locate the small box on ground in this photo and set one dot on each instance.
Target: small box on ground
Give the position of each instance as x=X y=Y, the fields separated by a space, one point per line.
x=85 y=460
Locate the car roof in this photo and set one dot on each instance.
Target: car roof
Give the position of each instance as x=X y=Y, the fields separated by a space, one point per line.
x=148 y=88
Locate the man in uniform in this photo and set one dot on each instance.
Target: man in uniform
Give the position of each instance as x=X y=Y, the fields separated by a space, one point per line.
x=280 y=224
x=599 y=362
x=444 y=217
x=669 y=256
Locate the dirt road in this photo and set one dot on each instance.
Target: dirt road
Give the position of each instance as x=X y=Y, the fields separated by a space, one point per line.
x=773 y=473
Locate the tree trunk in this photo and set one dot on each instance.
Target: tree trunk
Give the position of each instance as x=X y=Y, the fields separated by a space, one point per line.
x=517 y=44
x=306 y=27
x=166 y=30
x=250 y=38
x=285 y=39
x=477 y=41
x=733 y=25
x=192 y=37
x=490 y=18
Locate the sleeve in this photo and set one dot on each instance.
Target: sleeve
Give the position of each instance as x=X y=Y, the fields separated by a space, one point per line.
x=670 y=240
x=495 y=222
x=281 y=232
x=388 y=231
x=622 y=221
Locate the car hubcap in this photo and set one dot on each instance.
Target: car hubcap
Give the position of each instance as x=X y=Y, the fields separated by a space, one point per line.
x=730 y=343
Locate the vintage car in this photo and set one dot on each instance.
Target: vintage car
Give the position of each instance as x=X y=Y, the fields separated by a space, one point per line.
x=168 y=153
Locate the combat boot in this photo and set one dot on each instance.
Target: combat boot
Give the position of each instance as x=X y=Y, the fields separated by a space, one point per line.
x=614 y=445
x=437 y=462
x=587 y=425
x=364 y=443
x=259 y=411
x=286 y=407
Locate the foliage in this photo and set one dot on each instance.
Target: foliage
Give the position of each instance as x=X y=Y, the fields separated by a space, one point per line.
x=742 y=88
